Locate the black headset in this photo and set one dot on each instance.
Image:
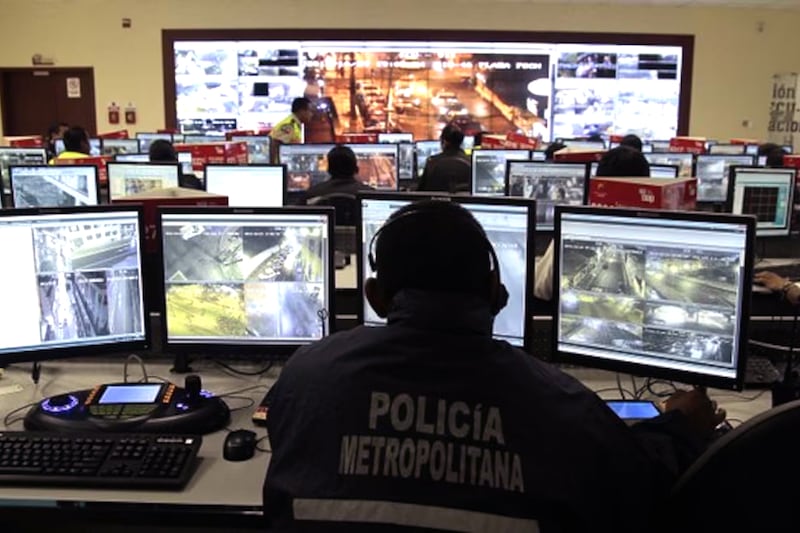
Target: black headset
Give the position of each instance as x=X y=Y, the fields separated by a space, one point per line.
x=498 y=298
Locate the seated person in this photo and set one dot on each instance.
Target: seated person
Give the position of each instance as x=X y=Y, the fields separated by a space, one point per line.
x=774 y=154
x=451 y=170
x=430 y=411
x=76 y=145
x=54 y=132
x=619 y=162
x=343 y=169
x=162 y=151
x=632 y=141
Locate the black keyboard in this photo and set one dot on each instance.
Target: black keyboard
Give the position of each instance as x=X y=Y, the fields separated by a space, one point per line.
x=98 y=459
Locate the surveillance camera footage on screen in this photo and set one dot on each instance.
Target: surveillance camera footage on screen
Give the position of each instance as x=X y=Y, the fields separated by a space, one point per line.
x=540 y=89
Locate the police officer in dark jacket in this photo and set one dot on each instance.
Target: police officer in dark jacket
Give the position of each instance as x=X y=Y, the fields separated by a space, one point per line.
x=431 y=423
x=451 y=170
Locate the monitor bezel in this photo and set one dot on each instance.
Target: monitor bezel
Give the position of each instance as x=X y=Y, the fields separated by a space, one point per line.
x=724 y=201
x=11 y=196
x=112 y=164
x=527 y=334
x=676 y=168
x=548 y=228
x=473 y=178
x=784 y=232
x=254 y=350
x=284 y=191
x=111 y=347
x=684 y=376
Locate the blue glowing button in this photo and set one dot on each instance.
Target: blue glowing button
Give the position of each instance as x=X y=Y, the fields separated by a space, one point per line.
x=181 y=406
x=206 y=394
x=60 y=404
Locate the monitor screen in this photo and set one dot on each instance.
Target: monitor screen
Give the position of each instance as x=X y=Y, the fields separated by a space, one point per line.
x=469 y=143
x=258 y=148
x=509 y=223
x=752 y=149
x=729 y=149
x=538 y=155
x=767 y=194
x=684 y=160
x=657 y=293
x=584 y=144
x=396 y=138
x=239 y=280
x=306 y=164
x=54 y=186
x=19 y=156
x=664 y=171
x=406 y=161
x=248 y=185
x=125 y=179
x=489 y=169
x=202 y=139
x=94 y=144
x=425 y=149
x=659 y=146
x=184 y=158
x=378 y=165
x=762 y=161
x=549 y=184
x=146 y=139
x=788 y=148
x=712 y=175
x=120 y=146
x=75 y=284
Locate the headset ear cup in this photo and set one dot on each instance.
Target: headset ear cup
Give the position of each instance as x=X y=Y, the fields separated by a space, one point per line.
x=501 y=300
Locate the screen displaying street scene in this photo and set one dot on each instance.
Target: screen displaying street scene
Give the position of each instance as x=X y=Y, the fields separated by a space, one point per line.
x=543 y=90
x=125 y=179
x=247 y=186
x=667 y=294
x=246 y=278
x=489 y=170
x=76 y=280
x=405 y=147
x=507 y=229
x=19 y=156
x=54 y=186
x=306 y=164
x=684 y=161
x=120 y=146
x=712 y=175
x=767 y=194
x=550 y=184
x=378 y=165
x=258 y=148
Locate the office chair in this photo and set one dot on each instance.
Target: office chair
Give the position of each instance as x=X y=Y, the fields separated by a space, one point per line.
x=744 y=480
x=346 y=206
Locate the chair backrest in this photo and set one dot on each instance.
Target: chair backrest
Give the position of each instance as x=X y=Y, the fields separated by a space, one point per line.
x=744 y=481
x=345 y=204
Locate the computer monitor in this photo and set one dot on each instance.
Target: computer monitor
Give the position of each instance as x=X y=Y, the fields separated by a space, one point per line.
x=664 y=171
x=396 y=138
x=306 y=164
x=177 y=137
x=509 y=223
x=54 y=186
x=489 y=170
x=712 y=170
x=468 y=144
x=248 y=185
x=752 y=149
x=538 y=155
x=120 y=146
x=125 y=179
x=761 y=161
x=19 y=156
x=246 y=281
x=184 y=158
x=549 y=184
x=146 y=139
x=258 y=148
x=767 y=194
x=423 y=150
x=202 y=139
x=684 y=160
x=95 y=145
x=378 y=165
x=659 y=146
x=729 y=149
x=74 y=286
x=584 y=144
x=657 y=293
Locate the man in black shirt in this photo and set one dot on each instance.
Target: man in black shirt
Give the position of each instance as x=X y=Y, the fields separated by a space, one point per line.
x=162 y=151
x=451 y=170
x=343 y=168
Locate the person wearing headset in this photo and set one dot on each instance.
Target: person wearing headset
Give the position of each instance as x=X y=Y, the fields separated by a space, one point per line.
x=431 y=423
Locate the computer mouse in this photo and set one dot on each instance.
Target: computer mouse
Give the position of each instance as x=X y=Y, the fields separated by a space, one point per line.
x=240 y=445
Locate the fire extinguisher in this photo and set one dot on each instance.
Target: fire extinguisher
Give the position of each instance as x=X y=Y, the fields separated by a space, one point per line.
x=113 y=113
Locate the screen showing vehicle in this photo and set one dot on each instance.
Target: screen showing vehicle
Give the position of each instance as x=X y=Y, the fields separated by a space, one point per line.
x=54 y=186
x=75 y=280
x=685 y=161
x=184 y=158
x=425 y=149
x=247 y=186
x=489 y=170
x=506 y=225
x=306 y=164
x=120 y=146
x=654 y=293
x=712 y=175
x=258 y=148
x=767 y=194
x=94 y=144
x=120 y=394
x=378 y=165
x=246 y=278
x=550 y=184
x=125 y=179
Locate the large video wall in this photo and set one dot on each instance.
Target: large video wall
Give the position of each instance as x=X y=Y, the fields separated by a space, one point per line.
x=548 y=89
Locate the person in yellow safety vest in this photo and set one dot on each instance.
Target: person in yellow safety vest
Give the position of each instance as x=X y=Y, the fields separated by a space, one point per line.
x=76 y=145
x=289 y=130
